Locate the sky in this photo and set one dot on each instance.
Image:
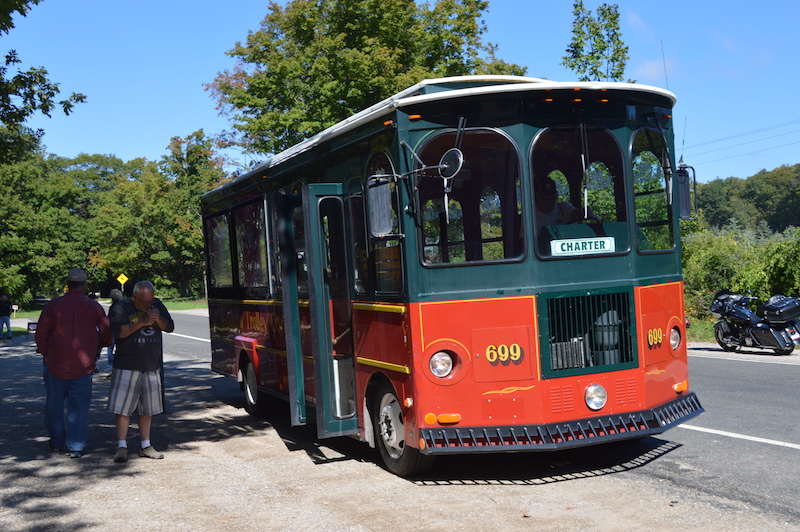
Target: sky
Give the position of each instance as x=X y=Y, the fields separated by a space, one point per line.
x=143 y=65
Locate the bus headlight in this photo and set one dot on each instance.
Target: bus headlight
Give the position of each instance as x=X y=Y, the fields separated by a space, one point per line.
x=441 y=364
x=675 y=338
x=595 y=397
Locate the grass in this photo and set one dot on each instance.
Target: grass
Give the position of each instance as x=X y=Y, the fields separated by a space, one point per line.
x=701 y=330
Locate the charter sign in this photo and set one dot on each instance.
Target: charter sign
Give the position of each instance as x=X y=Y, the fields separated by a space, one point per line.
x=582 y=246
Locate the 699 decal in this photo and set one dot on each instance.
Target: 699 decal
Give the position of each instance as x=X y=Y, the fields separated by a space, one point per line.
x=655 y=338
x=504 y=354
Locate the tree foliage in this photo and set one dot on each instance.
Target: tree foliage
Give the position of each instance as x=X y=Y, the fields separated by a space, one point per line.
x=98 y=212
x=596 y=51
x=24 y=93
x=313 y=63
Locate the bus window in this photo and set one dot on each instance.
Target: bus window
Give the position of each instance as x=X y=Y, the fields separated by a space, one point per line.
x=276 y=286
x=653 y=213
x=220 y=267
x=300 y=251
x=385 y=251
x=251 y=248
x=480 y=217
x=359 y=237
x=579 y=192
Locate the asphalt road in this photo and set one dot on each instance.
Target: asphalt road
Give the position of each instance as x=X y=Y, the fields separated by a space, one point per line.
x=225 y=470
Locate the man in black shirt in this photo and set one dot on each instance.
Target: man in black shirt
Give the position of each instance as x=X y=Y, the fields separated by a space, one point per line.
x=136 y=324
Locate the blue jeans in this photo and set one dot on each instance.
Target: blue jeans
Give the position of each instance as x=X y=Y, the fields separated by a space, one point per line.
x=110 y=353
x=76 y=395
x=5 y=321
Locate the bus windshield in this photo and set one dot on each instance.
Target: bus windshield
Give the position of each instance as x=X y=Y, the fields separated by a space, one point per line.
x=579 y=192
x=477 y=215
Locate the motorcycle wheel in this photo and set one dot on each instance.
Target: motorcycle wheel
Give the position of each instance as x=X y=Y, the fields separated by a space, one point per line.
x=719 y=334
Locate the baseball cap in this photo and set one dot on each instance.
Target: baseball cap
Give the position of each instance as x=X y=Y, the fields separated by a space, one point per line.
x=76 y=275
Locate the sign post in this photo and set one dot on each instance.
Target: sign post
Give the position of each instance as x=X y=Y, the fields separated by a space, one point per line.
x=122 y=278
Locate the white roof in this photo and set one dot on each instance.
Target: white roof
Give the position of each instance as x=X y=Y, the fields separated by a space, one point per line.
x=449 y=88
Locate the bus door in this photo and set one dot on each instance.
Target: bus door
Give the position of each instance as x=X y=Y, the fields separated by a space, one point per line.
x=330 y=309
x=292 y=249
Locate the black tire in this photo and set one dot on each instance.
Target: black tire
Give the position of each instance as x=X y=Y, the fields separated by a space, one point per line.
x=256 y=402
x=389 y=429
x=719 y=334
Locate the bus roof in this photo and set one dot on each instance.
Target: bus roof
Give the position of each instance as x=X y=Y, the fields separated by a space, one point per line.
x=444 y=88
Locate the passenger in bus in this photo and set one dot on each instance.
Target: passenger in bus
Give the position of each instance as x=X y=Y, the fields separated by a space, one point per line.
x=550 y=211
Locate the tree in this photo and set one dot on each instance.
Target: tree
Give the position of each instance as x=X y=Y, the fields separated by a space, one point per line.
x=26 y=92
x=596 y=52
x=315 y=62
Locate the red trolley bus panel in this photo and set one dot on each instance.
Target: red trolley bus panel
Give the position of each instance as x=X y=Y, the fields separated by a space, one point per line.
x=476 y=264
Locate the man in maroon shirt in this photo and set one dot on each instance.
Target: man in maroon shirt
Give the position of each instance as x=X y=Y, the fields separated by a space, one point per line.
x=70 y=333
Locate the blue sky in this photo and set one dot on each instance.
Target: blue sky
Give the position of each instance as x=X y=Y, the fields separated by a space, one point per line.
x=142 y=65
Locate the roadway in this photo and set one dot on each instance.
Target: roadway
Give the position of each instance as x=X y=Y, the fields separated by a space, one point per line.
x=745 y=448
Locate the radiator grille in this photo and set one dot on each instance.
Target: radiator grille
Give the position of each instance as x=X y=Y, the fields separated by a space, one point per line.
x=588 y=331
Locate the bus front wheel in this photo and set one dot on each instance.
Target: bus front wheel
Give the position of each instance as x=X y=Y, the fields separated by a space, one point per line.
x=389 y=426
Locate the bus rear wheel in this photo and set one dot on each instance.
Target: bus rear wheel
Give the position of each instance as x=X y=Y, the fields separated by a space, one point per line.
x=389 y=426
x=255 y=401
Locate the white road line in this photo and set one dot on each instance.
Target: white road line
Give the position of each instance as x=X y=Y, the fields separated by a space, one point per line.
x=766 y=361
x=741 y=436
x=191 y=337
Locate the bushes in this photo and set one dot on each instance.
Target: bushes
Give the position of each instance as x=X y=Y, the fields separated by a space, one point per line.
x=754 y=261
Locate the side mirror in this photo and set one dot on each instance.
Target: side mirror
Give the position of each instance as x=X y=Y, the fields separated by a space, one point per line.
x=379 y=205
x=687 y=192
x=450 y=163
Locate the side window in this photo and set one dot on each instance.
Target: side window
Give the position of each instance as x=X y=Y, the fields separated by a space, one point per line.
x=251 y=248
x=653 y=213
x=477 y=215
x=276 y=286
x=358 y=228
x=218 y=245
x=385 y=252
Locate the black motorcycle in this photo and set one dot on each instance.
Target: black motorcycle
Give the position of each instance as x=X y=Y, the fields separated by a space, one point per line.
x=739 y=326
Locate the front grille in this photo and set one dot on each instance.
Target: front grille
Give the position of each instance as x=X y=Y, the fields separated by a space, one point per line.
x=587 y=331
x=511 y=438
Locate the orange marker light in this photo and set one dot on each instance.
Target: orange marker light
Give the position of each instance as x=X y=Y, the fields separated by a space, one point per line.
x=449 y=419
x=681 y=386
x=430 y=418
x=414 y=117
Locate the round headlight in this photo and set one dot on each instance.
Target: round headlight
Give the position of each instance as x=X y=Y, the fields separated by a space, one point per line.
x=675 y=338
x=595 y=397
x=441 y=364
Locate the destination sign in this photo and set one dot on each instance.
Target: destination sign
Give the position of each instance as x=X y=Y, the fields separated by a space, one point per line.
x=582 y=246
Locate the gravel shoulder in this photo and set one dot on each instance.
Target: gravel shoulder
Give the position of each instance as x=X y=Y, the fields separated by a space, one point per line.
x=225 y=470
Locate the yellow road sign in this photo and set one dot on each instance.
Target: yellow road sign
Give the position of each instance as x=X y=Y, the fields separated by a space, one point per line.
x=122 y=278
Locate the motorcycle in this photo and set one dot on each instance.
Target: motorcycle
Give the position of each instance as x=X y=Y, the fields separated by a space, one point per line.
x=739 y=326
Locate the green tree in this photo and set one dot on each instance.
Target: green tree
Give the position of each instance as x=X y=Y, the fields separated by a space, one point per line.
x=192 y=169
x=596 y=51
x=315 y=62
x=26 y=92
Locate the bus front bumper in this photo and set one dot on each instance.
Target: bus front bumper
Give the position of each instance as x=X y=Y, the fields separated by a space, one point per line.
x=583 y=432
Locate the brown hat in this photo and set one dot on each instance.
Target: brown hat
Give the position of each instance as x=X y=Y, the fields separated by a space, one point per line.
x=76 y=275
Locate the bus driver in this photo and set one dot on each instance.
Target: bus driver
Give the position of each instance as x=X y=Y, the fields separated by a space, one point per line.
x=549 y=211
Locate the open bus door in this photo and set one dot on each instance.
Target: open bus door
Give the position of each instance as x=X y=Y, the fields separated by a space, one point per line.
x=330 y=309
x=289 y=207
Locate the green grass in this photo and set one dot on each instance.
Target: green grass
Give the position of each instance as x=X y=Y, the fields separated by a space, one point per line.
x=701 y=330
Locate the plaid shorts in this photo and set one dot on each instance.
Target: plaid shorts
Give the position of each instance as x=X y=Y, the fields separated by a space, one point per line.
x=131 y=389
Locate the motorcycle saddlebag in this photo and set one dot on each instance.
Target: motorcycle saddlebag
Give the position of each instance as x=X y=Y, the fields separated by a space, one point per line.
x=773 y=338
x=782 y=310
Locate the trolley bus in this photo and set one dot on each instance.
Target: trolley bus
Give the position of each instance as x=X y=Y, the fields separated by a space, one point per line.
x=476 y=264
